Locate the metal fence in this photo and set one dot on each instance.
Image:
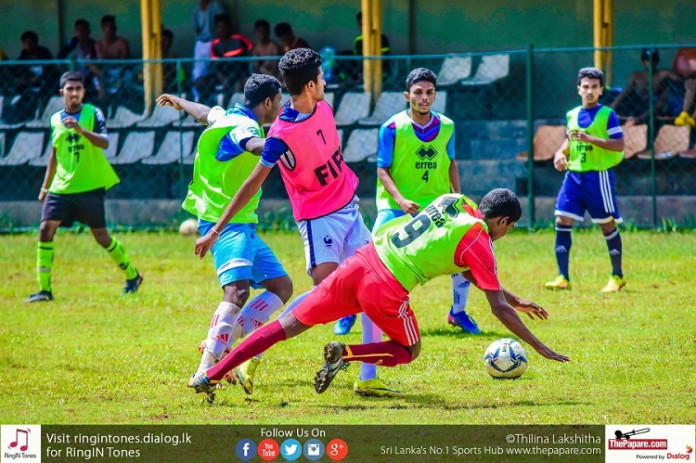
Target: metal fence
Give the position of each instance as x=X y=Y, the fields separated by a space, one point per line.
x=508 y=108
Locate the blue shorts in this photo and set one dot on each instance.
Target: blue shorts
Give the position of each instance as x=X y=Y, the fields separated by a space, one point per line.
x=594 y=192
x=240 y=254
x=384 y=216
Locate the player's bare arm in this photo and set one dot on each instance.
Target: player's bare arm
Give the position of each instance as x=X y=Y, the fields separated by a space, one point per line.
x=95 y=138
x=455 y=184
x=197 y=110
x=406 y=205
x=255 y=145
x=50 y=173
x=248 y=189
x=612 y=144
x=508 y=317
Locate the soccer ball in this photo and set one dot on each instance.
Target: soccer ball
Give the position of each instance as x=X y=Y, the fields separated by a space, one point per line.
x=505 y=358
x=188 y=227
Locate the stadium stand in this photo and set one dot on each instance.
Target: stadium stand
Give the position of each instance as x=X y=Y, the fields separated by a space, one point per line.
x=353 y=106
x=55 y=103
x=635 y=139
x=137 y=146
x=361 y=145
x=547 y=140
x=26 y=146
x=491 y=69
x=174 y=146
x=454 y=69
x=387 y=105
x=670 y=141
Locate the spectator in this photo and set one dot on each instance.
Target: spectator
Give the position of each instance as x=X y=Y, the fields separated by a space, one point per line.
x=169 y=71
x=204 y=28
x=228 y=45
x=685 y=67
x=358 y=41
x=265 y=47
x=82 y=47
x=32 y=81
x=288 y=39
x=111 y=46
x=633 y=102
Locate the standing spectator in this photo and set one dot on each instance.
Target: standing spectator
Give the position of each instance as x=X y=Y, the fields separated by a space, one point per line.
x=685 y=66
x=77 y=177
x=169 y=71
x=288 y=39
x=358 y=41
x=265 y=47
x=82 y=47
x=204 y=28
x=594 y=146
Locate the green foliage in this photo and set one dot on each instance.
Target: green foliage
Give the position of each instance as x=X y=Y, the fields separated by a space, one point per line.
x=93 y=356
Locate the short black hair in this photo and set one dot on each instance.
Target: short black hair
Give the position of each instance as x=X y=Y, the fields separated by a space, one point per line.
x=501 y=202
x=298 y=67
x=262 y=23
x=420 y=75
x=29 y=35
x=650 y=54
x=168 y=33
x=282 y=29
x=81 y=22
x=71 y=76
x=223 y=17
x=591 y=73
x=108 y=18
x=258 y=87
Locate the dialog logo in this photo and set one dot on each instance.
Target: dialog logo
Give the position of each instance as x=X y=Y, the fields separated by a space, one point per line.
x=245 y=449
x=269 y=450
x=313 y=449
x=20 y=442
x=291 y=449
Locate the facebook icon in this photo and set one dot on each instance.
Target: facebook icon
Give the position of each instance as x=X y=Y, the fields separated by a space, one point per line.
x=246 y=449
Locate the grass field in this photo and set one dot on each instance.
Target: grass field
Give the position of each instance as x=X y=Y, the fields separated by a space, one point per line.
x=93 y=356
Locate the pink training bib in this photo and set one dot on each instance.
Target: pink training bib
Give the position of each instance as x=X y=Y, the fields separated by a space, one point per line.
x=317 y=180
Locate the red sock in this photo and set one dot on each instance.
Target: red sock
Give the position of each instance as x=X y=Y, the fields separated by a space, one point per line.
x=259 y=341
x=386 y=353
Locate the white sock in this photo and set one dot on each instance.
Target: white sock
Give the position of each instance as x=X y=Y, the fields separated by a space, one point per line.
x=258 y=311
x=290 y=307
x=223 y=330
x=371 y=333
x=460 y=292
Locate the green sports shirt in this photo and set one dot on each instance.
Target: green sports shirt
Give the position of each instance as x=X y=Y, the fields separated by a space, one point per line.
x=586 y=157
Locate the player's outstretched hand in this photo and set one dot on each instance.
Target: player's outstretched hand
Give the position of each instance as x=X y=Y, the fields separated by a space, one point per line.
x=551 y=355
x=532 y=309
x=169 y=100
x=204 y=243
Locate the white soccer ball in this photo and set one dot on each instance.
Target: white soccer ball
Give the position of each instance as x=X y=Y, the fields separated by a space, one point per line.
x=188 y=227
x=505 y=358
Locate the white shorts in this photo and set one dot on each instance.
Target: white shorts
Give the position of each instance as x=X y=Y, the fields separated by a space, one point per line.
x=334 y=237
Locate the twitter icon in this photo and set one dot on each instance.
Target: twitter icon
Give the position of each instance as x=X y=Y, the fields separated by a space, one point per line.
x=291 y=449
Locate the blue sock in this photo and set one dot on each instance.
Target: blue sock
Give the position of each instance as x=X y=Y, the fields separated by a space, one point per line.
x=615 y=251
x=563 y=243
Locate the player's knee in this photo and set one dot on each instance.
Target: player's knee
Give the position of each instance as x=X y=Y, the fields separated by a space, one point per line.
x=414 y=350
x=281 y=287
x=45 y=232
x=237 y=293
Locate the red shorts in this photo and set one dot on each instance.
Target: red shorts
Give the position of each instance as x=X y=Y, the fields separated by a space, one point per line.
x=362 y=284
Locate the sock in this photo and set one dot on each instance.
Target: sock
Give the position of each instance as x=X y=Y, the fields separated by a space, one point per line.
x=259 y=341
x=297 y=301
x=118 y=254
x=564 y=241
x=258 y=311
x=223 y=331
x=460 y=292
x=385 y=353
x=371 y=333
x=44 y=262
x=615 y=251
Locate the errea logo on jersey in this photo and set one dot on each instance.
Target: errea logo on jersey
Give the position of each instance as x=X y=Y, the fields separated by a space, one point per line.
x=426 y=152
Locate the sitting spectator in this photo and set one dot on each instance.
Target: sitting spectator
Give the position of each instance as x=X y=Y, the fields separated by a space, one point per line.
x=265 y=47
x=112 y=46
x=83 y=48
x=288 y=39
x=228 y=44
x=633 y=103
x=204 y=28
x=34 y=81
x=685 y=67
